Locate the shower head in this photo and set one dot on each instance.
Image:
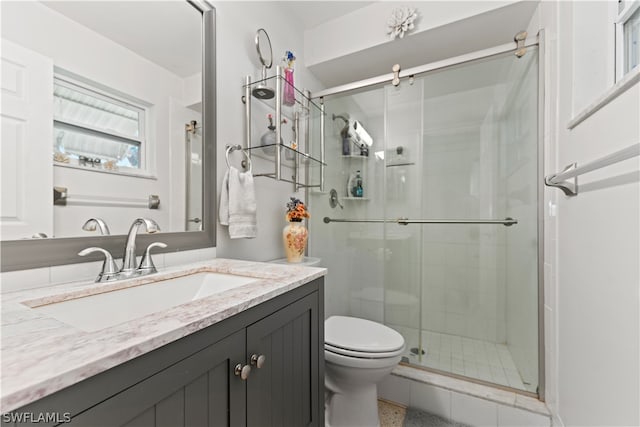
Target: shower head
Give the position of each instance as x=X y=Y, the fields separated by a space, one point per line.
x=345 y=129
x=263 y=92
x=340 y=116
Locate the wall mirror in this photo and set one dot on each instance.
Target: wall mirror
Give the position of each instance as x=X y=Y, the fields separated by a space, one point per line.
x=108 y=112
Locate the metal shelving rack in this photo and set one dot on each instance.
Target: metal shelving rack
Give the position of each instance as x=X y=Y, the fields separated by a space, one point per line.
x=303 y=109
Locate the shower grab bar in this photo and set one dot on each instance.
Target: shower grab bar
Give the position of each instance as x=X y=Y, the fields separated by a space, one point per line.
x=507 y=222
x=570 y=188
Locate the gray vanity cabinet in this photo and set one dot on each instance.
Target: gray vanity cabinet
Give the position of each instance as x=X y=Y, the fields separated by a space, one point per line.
x=284 y=390
x=200 y=390
x=192 y=382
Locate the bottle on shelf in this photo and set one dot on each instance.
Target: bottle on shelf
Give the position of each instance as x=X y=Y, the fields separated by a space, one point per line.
x=268 y=139
x=355 y=185
x=359 y=189
x=346 y=148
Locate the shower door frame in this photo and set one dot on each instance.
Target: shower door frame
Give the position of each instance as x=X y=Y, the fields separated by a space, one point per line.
x=404 y=75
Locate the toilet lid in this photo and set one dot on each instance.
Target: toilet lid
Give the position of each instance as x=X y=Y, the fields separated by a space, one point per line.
x=360 y=335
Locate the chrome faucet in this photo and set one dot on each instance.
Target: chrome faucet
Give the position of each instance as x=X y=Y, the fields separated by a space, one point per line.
x=129 y=258
x=110 y=270
x=91 y=224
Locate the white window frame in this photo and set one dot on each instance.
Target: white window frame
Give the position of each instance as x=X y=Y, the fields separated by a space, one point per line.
x=626 y=8
x=111 y=96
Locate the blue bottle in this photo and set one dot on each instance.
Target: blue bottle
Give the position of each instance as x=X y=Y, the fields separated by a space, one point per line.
x=359 y=192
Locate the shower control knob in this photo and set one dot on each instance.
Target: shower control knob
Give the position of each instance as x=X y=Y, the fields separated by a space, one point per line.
x=258 y=361
x=242 y=371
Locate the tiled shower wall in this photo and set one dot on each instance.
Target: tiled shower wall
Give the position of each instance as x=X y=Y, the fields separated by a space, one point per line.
x=463 y=283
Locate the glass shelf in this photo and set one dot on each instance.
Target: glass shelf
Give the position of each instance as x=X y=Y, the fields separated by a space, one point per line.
x=364 y=199
x=298 y=125
x=353 y=156
x=287 y=155
x=270 y=82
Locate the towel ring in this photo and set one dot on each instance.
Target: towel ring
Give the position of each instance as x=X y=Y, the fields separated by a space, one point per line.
x=246 y=164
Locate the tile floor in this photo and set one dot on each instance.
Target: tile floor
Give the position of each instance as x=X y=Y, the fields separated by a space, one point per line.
x=465 y=356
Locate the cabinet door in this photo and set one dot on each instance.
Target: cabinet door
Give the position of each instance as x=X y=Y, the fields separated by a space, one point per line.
x=200 y=390
x=284 y=391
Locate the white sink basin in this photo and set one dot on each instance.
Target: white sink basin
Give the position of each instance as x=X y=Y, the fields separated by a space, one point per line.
x=95 y=312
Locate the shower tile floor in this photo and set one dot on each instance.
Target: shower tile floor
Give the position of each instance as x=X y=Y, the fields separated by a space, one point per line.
x=473 y=358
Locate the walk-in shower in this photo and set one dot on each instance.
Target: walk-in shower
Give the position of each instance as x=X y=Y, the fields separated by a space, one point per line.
x=442 y=243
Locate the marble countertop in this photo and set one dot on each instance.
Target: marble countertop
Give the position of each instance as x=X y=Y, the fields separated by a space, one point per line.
x=41 y=355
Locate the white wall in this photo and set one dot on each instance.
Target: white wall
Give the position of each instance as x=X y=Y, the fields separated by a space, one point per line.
x=356 y=45
x=346 y=35
x=78 y=50
x=592 y=244
x=237 y=23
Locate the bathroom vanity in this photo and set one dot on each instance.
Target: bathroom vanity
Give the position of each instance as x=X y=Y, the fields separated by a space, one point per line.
x=250 y=355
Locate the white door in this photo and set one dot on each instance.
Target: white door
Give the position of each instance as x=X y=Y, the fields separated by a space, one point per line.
x=26 y=203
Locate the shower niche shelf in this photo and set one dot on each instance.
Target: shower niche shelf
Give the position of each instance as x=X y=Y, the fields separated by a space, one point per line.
x=297 y=127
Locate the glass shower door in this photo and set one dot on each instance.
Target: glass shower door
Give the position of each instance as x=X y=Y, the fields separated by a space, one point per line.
x=478 y=160
x=402 y=198
x=458 y=143
x=353 y=252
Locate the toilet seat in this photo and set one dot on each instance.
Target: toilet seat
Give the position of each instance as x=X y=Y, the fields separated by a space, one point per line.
x=362 y=354
x=360 y=362
x=351 y=336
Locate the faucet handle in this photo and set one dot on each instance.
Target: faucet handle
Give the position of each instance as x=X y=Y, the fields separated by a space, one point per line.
x=93 y=223
x=146 y=265
x=109 y=267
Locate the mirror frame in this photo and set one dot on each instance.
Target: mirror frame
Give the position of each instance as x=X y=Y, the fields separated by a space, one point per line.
x=35 y=253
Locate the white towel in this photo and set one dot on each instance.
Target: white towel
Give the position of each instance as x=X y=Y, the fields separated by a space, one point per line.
x=238 y=204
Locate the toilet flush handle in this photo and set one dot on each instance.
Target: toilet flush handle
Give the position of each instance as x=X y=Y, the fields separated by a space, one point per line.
x=258 y=361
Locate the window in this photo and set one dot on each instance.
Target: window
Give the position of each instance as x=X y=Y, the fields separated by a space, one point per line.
x=627 y=37
x=96 y=129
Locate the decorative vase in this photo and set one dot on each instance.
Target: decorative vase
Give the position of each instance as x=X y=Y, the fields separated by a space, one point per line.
x=288 y=91
x=294 y=237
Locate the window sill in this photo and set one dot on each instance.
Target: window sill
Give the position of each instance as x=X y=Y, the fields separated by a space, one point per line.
x=618 y=89
x=122 y=172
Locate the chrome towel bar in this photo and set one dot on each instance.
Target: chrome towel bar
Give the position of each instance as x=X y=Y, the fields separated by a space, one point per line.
x=507 y=222
x=569 y=186
x=246 y=164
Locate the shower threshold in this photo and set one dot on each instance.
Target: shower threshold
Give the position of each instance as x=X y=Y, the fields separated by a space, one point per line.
x=473 y=359
x=497 y=394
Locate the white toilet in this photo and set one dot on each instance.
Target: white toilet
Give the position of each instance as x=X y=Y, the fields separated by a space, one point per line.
x=358 y=354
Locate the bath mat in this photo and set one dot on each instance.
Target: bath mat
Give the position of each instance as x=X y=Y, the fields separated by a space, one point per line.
x=416 y=418
x=390 y=414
